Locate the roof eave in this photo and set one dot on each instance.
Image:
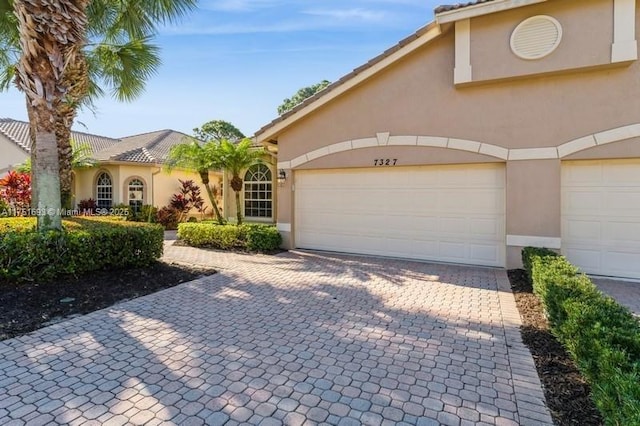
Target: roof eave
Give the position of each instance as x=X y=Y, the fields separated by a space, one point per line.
x=481 y=9
x=359 y=75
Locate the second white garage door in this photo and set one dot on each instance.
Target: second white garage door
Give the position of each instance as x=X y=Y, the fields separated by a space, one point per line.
x=601 y=216
x=441 y=213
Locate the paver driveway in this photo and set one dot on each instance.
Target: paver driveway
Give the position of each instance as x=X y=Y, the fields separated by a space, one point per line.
x=300 y=338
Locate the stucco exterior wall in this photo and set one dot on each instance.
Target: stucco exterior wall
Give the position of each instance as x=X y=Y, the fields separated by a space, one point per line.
x=587 y=28
x=416 y=97
x=11 y=154
x=159 y=185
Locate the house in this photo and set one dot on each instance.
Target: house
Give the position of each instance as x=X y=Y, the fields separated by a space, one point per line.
x=501 y=124
x=128 y=170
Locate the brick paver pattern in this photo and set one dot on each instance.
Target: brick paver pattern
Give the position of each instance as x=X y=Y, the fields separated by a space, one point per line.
x=298 y=338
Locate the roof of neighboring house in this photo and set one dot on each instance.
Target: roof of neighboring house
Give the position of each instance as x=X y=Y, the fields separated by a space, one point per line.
x=146 y=148
x=150 y=147
x=18 y=132
x=447 y=8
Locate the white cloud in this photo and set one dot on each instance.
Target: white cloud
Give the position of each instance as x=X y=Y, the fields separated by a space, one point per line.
x=348 y=14
x=237 y=5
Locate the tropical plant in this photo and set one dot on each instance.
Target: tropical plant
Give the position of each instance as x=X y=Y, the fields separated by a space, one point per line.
x=235 y=158
x=216 y=130
x=301 y=95
x=15 y=192
x=187 y=198
x=117 y=55
x=88 y=206
x=200 y=158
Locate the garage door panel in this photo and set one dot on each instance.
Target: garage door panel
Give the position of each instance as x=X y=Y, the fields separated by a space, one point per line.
x=445 y=213
x=622 y=232
x=601 y=216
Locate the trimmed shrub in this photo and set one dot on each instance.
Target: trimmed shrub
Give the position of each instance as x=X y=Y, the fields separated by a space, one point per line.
x=84 y=245
x=262 y=238
x=601 y=336
x=252 y=237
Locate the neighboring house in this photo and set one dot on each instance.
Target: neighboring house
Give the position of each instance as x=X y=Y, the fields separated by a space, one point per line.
x=501 y=124
x=128 y=170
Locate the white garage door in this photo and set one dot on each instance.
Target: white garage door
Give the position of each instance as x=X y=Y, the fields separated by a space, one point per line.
x=443 y=213
x=601 y=216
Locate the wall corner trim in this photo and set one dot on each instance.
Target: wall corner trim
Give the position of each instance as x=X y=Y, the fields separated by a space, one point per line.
x=533 y=241
x=463 y=72
x=283 y=227
x=625 y=46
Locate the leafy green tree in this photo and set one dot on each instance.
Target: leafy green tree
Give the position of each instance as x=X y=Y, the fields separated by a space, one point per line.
x=200 y=158
x=115 y=53
x=216 y=130
x=235 y=158
x=301 y=95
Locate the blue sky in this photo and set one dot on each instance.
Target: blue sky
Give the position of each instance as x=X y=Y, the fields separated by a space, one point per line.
x=237 y=60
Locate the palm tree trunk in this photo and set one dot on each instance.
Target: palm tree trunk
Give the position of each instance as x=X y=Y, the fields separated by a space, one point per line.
x=47 y=188
x=52 y=32
x=204 y=176
x=236 y=185
x=65 y=115
x=76 y=80
x=238 y=208
x=32 y=136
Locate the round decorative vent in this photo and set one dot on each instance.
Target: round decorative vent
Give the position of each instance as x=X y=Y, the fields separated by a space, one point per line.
x=536 y=37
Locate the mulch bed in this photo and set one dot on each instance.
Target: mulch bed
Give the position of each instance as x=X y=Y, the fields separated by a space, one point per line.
x=566 y=392
x=28 y=306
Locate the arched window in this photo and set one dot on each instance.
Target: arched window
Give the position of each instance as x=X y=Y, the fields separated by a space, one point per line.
x=136 y=194
x=104 y=191
x=258 y=192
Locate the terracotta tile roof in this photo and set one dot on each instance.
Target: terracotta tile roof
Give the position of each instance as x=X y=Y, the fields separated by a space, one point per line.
x=150 y=147
x=18 y=132
x=447 y=8
x=146 y=148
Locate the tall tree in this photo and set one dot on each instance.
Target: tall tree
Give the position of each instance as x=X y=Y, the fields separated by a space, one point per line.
x=235 y=158
x=301 y=95
x=200 y=158
x=51 y=33
x=216 y=130
x=118 y=57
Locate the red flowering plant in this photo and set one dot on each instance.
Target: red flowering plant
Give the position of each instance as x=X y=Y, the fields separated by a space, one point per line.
x=15 y=191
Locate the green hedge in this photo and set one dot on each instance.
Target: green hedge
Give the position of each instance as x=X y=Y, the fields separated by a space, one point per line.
x=602 y=336
x=83 y=246
x=252 y=237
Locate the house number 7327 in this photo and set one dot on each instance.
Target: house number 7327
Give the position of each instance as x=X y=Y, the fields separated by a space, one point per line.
x=385 y=161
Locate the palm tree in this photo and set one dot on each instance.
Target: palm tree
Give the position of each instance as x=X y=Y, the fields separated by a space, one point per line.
x=118 y=55
x=51 y=33
x=200 y=158
x=235 y=158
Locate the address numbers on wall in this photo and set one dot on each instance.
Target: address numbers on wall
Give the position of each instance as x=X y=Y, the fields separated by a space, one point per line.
x=385 y=161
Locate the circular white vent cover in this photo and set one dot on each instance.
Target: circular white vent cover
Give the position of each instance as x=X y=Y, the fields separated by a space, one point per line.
x=536 y=37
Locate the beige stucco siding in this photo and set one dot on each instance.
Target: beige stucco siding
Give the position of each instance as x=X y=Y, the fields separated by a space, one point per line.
x=571 y=105
x=586 y=42
x=12 y=155
x=416 y=96
x=159 y=186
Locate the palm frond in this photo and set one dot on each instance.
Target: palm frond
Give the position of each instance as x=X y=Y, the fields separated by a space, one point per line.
x=126 y=67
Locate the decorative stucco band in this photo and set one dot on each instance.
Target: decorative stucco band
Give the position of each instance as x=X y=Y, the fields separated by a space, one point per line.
x=385 y=139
